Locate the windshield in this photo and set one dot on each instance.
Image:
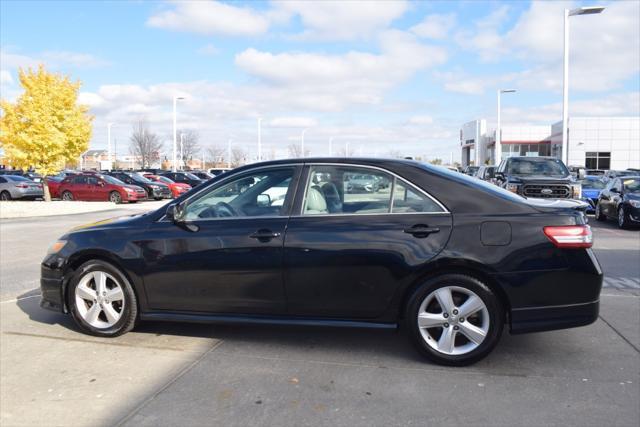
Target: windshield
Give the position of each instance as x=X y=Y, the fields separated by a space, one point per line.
x=112 y=180
x=550 y=167
x=632 y=185
x=621 y=173
x=596 y=184
x=138 y=178
x=190 y=175
x=165 y=180
x=18 y=178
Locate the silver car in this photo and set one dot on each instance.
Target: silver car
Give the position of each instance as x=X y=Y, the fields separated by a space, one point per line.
x=19 y=187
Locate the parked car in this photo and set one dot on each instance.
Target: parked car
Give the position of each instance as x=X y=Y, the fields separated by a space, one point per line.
x=31 y=175
x=470 y=170
x=184 y=178
x=453 y=258
x=591 y=187
x=53 y=182
x=153 y=171
x=177 y=188
x=486 y=173
x=620 y=200
x=538 y=177
x=611 y=174
x=362 y=183
x=218 y=171
x=97 y=187
x=155 y=190
x=19 y=187
x=205 y=176
x=595 y=172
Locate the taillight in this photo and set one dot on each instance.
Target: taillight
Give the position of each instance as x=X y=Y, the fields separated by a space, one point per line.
x=570 y=236
x=22 y=186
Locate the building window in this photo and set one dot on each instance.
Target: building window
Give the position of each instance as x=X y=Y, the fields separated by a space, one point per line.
x=598 y=160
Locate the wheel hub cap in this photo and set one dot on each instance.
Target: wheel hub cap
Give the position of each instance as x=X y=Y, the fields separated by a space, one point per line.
x=99 y=299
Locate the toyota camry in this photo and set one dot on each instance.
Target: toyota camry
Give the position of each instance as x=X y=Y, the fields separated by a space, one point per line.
x=453 y=259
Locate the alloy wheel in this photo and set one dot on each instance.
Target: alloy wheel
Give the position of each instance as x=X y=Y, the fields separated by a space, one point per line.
x=115 y=197
x=453 y=320
x=67 y=196
x=621 y=218
x=99 y=299
x=5 y=196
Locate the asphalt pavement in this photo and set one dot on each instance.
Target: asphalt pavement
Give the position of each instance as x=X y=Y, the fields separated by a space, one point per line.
x=185 y=374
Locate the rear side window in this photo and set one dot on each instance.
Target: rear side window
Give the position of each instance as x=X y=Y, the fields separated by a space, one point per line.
x=408 y=200
x=80 y=180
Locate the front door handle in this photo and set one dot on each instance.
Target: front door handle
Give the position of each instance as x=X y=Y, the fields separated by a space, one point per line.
x=264 y=235
x=421 y=230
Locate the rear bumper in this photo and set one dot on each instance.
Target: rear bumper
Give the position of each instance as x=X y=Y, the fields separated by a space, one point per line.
x=537 y=319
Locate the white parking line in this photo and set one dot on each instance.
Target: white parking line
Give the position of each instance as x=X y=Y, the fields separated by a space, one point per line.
x=19 y=299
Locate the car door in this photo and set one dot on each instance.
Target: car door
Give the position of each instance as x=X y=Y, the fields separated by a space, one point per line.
x=93 y=190
x=348 y=253
x=227 y=255
x=605 y=198
x=79 y=187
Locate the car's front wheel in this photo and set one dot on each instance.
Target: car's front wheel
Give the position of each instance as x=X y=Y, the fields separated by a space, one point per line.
x=623 y=220
x=115 y=197
x=101 y=300
x=67 y=196
x=599 y=215
x=454 y=319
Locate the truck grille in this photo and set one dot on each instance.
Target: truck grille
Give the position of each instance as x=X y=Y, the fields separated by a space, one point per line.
x=544 y=191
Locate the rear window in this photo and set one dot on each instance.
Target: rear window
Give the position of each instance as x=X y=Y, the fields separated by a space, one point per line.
x=596 y=184
x=17 y=178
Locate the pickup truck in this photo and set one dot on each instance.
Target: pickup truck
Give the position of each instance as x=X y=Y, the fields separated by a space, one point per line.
x=538 y=177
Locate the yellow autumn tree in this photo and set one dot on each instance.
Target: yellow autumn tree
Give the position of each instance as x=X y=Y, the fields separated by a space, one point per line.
x=45 y=128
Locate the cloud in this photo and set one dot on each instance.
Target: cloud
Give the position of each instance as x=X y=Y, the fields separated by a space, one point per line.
x=208 y=50
x=210 y=17
x=342 y=20
x=604 y=48
x=436 y=26
x=293 y=122
x=53 y=59
x=420 y=120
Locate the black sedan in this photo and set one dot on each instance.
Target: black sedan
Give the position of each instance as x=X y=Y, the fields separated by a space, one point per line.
x=155 y=190
x=620 y=200
x=453 y=258
x=183 y=178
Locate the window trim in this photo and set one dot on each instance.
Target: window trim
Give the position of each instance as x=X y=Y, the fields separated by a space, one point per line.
x=299 y=213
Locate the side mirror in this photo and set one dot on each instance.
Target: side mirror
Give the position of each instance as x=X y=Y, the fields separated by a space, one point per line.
x=581 y=173
x=175 y=212
x=263 y=200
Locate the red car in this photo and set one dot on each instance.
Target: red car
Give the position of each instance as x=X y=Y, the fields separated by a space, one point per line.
x=99 y=188
x=177 y=188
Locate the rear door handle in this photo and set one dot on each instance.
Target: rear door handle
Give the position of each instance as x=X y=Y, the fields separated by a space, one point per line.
x=264 y=235
x=421 y=230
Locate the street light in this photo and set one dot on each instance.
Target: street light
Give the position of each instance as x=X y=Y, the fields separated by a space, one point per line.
x=181 y=150
x=302 y=141
x=498 y=144
x=590 y=10
x=259 y=139
x=175 y=131
x=109 y=144
x=229 y=154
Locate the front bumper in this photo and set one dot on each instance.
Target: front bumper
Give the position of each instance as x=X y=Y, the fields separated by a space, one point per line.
x=633 y=213
x=52 y=287
x=162 y=194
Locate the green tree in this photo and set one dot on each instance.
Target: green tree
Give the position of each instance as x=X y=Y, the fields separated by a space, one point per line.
x=45 y=128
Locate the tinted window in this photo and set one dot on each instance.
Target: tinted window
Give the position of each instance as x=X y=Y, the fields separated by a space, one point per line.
x=407 y=199
x=17 y=178
x=80 y=179
x=92 y=180
x=258 y=194
x=112 y=180
x=632 y=185
x=347 y=190
x=552 y=167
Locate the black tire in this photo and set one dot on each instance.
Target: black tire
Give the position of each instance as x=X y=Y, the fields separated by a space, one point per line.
x=129 y=314
x=5 y=195
x=491 y=302
x=67 y=196
x=598 y=214
x=115 y=197
x=623 y=218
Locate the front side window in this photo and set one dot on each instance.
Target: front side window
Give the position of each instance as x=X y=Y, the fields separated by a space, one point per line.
x=257 y=194
x=80 y=180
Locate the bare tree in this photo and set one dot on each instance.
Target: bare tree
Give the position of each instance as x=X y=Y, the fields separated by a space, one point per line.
x=436 y=161
x=295 y=151
x=190 y=143
x=238 y=157
x=144 y=144
x=216 y=154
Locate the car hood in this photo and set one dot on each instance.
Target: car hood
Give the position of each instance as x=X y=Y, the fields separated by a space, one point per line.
x=133 y=187
x=181 y=185
x=114 y=222
x=541 y=178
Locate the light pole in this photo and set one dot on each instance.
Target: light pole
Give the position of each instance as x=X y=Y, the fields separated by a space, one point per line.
x=346 y=149
x=109 y=145
x=498 y=144
x=302 y=141
x=175 y=133
x=259 y=139
x=181 y=151
x=590 y=10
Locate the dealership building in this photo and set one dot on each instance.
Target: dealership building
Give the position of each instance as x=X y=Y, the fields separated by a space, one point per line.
x=594 y=142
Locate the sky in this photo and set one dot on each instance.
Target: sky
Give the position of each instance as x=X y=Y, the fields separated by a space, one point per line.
x=381 y=78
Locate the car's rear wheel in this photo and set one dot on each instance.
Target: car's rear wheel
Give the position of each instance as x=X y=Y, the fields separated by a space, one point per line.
x=5 y=195
x=623 y=220
x=599 y=215
x=115 y=197
x=67 y=196
x=101 y=300
x=454 y=319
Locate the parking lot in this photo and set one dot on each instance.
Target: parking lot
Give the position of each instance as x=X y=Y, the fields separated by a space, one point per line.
x=177 y=374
